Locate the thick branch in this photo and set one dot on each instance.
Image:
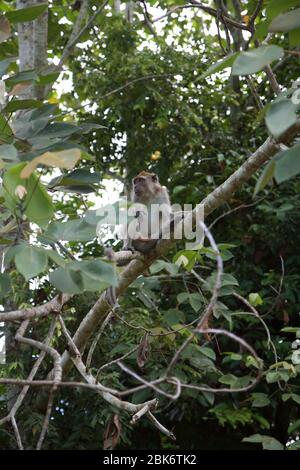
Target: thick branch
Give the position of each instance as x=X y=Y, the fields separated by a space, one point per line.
x=136 y=267
x=54 y=305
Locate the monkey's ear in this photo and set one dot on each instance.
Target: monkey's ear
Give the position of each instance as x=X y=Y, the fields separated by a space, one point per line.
x=154 y=178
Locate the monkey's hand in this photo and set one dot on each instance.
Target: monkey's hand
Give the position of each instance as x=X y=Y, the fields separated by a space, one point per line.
x=128 y=245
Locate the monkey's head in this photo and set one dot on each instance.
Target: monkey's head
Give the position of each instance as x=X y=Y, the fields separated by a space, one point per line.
x=145 y=187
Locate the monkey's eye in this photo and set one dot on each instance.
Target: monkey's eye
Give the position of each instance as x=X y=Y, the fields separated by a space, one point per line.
x=137 y=180
x=154 y=179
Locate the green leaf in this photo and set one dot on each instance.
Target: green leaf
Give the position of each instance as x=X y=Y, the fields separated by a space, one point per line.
x=291 y=329
x=254 y=60
x=265 y=177
x=20 y=77
x=227 y=280
x=286 y=22
x=37 y=203
x=228 y=379
x=72 y=230
x=295 y=426
x=55 y=257
x=294 y=37
x=48 y=78
x=174 y=316
x=31 y=261
x=255 y=299
x=222 y=64
x=45 y=111
x=80 y=180
x=294 y=446
x=161 y=265
x=208 y=352
x=262 y=29
x=260 y=400
x=8 y=152
x=293 y=396
x=268 y=442
x=26 y=14
x=11 y=253
x=186 y=258
x=6 y=134
x=58 y=129
x=5 y=285
x=273 y=377
x=287 y=164
x=86 y=127
x=25 y=128
x=79 y=276
x=280 y=116
x=194 y=299
x=4 y=64
x=14 y=105
x=275 y=7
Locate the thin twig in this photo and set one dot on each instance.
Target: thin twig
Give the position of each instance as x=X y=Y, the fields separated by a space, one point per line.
x=158 y=425
x=17 y=433
x=47 y=418
x=76 y=35
x=96 y=339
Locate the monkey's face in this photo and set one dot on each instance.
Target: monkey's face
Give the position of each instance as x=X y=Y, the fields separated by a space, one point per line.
x=144 y=187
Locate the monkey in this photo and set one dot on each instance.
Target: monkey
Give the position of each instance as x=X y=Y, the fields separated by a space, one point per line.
x=147 y=195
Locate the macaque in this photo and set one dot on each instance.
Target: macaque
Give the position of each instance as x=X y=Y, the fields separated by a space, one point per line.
x=147 y=195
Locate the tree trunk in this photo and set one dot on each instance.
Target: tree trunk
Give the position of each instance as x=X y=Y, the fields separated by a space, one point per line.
x=33 y=41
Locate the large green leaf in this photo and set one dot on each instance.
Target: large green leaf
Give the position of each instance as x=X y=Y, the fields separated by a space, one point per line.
x=79 y=276
x=8 y=152
x=72 y=230
x=220 y=65
x=80 y=180
x=14 y=105
x=6 y=134
x=33 y=121
x=254 y=60
x=26 y=14
x=286 y=22
x=37 y=203
x=275 y=7
x=287 y=164
x=20 y=77
x=268 y=442
x=31 y=261
x=58 y=129
x=260 y=400
x=48 y=78
x=25 y=129
x=280 y=116
x=4 y=64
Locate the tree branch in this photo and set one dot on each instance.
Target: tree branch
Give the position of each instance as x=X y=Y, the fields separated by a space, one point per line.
x=78 y=31
x=211 y=11
x=54 y=305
